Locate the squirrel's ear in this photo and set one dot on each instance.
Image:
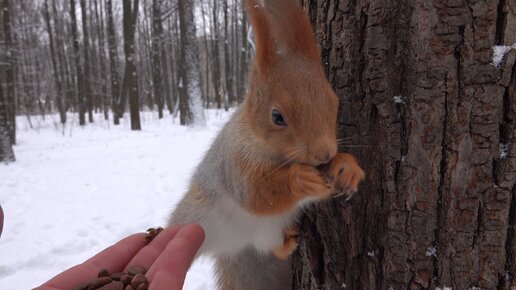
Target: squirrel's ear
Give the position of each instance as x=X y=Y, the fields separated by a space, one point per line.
x=292 y=28
x=265 y=56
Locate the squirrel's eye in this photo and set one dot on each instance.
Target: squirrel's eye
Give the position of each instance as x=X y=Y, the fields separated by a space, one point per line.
x=277 y=118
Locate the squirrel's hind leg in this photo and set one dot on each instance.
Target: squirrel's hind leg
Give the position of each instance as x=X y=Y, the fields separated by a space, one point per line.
x=252 y=270
x=290 y=236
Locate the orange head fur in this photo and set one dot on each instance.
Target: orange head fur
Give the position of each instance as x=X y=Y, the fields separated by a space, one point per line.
x=290 y=107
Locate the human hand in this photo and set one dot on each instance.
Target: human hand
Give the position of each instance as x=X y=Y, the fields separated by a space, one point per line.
x=167 y=258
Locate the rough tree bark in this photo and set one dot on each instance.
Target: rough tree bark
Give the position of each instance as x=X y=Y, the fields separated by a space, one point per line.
x=432 y=122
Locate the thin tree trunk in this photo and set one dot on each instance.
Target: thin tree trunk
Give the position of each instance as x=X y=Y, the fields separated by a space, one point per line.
x=117 y=106
x=6 y=148
x=130 y=86
x=243 y=62
x=78 y=68
x=86 y=67
x=192 y=110
x=57 y=75
x=165 y=67
x=235 y=54
x=9 y=72
x=433 y=124
x=102 y=58
x=157 y=71
x=207 y=58
x=227 y=65
x=215 y=55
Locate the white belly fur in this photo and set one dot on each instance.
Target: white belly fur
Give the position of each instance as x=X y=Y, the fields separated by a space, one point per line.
x=229 y=228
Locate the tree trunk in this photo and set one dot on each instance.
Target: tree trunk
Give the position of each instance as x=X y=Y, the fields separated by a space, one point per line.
x=102 y=59
x=86 y=67
x=157 y=71
x=113 y=64
x=191 y=107
x=215 y=72
x=206 y=58
x=55 y=67
x=78 y=68
x=10 y=99
x=432 y=122
x=130 y=86
x=243 y=62
x=228 y=98
x=6 y=148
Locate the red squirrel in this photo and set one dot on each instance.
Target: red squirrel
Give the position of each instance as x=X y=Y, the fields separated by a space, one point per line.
x=264 y=166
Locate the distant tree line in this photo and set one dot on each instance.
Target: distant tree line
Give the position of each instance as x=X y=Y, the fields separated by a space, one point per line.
x=114 y=56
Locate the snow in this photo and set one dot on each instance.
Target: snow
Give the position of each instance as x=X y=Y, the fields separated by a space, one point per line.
x=68 y=197
x=399 y=99
x=499 y=52
x=431 y=251
x=504 y=150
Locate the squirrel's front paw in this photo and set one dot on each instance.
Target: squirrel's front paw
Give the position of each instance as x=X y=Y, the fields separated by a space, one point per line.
x=345 y=174
x=305 y=180
x=290 y=236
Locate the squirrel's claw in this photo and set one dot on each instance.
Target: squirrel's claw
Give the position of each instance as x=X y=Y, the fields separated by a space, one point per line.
x=346 y=174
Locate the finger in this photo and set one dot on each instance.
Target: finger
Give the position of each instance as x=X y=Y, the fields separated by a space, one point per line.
x=112 y=259
x=150 y=253
x=169 y=270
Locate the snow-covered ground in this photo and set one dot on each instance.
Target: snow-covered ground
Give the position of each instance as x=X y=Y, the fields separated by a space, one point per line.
x=68 y=197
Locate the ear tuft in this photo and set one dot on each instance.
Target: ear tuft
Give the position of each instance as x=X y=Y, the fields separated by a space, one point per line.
x=265 y=54
x=292 y=28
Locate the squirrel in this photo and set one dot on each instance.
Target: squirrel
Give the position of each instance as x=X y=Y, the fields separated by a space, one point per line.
x=277 y=154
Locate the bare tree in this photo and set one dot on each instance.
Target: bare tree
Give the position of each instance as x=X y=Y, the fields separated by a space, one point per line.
x=6 y=148
x=215 y=42
x=86 y=62
x=192 y=110
x=81 y=96
x=117 y=106
x=55 y=67
x=9 y=71
x=227 y=67
x=241 y=86
x=102 y=58
x=157 y=71
x=130 y=85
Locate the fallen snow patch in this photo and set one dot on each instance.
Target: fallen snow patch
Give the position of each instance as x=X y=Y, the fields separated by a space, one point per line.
x=68 y=197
